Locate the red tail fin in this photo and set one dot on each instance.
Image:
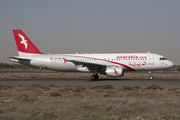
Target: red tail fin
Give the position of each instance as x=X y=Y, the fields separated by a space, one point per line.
x=24 y=45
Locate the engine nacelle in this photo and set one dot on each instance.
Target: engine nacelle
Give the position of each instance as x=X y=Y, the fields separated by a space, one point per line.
x=114 y=72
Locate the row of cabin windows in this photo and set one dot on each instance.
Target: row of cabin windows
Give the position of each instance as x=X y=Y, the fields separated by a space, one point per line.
x=59 y=59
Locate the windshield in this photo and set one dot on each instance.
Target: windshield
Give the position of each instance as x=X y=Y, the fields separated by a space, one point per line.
x=162 y=58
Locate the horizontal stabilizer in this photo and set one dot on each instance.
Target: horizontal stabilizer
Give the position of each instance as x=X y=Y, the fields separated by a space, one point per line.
x=20 y=60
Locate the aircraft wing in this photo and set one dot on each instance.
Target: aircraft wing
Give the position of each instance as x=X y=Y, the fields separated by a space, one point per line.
x=91 y=66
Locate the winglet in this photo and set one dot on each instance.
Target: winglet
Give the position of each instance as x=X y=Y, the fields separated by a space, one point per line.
x=24 y=45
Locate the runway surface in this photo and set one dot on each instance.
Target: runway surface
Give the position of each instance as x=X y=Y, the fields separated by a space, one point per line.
x=166 y=83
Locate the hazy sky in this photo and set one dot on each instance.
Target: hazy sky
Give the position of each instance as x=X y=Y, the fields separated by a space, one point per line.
x=93 y=26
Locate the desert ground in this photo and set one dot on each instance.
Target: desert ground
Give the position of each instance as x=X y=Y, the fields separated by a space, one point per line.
x=98 y=102
x=103 y=102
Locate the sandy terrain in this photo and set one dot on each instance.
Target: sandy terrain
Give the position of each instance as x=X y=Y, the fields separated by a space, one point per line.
x=102 y=102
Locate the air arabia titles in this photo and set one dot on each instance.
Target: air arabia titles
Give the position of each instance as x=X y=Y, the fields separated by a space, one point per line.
x=131 y=57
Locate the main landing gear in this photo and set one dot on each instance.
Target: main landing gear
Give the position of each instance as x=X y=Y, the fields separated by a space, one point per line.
x=95 y=77
x=150 y=75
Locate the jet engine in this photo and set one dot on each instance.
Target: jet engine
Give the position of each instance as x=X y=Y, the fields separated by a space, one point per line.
x=114 y=72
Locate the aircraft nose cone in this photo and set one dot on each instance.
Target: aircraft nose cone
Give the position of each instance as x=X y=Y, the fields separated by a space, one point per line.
x=170 y=64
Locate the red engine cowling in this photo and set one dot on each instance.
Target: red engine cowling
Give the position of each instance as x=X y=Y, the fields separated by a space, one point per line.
x=114 y=72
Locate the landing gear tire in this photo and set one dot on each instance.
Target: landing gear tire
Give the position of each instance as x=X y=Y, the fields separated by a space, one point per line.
x=97 y=77
x=94 y=77
x=150 y=77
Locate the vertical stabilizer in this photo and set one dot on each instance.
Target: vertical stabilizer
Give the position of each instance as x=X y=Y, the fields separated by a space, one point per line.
x=24 y=45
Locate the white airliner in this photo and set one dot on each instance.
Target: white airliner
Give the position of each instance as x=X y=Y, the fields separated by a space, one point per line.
x=113 y=64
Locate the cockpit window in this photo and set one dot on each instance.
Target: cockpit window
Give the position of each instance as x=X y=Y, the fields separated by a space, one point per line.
x=162 y=58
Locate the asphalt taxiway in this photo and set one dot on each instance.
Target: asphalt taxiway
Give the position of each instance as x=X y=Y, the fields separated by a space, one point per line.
x=167 y=83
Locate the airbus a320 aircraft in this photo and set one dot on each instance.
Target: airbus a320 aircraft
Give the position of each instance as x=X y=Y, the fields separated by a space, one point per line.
x=113 y=64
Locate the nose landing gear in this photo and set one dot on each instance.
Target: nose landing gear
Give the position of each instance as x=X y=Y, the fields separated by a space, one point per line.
x=150 y=75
